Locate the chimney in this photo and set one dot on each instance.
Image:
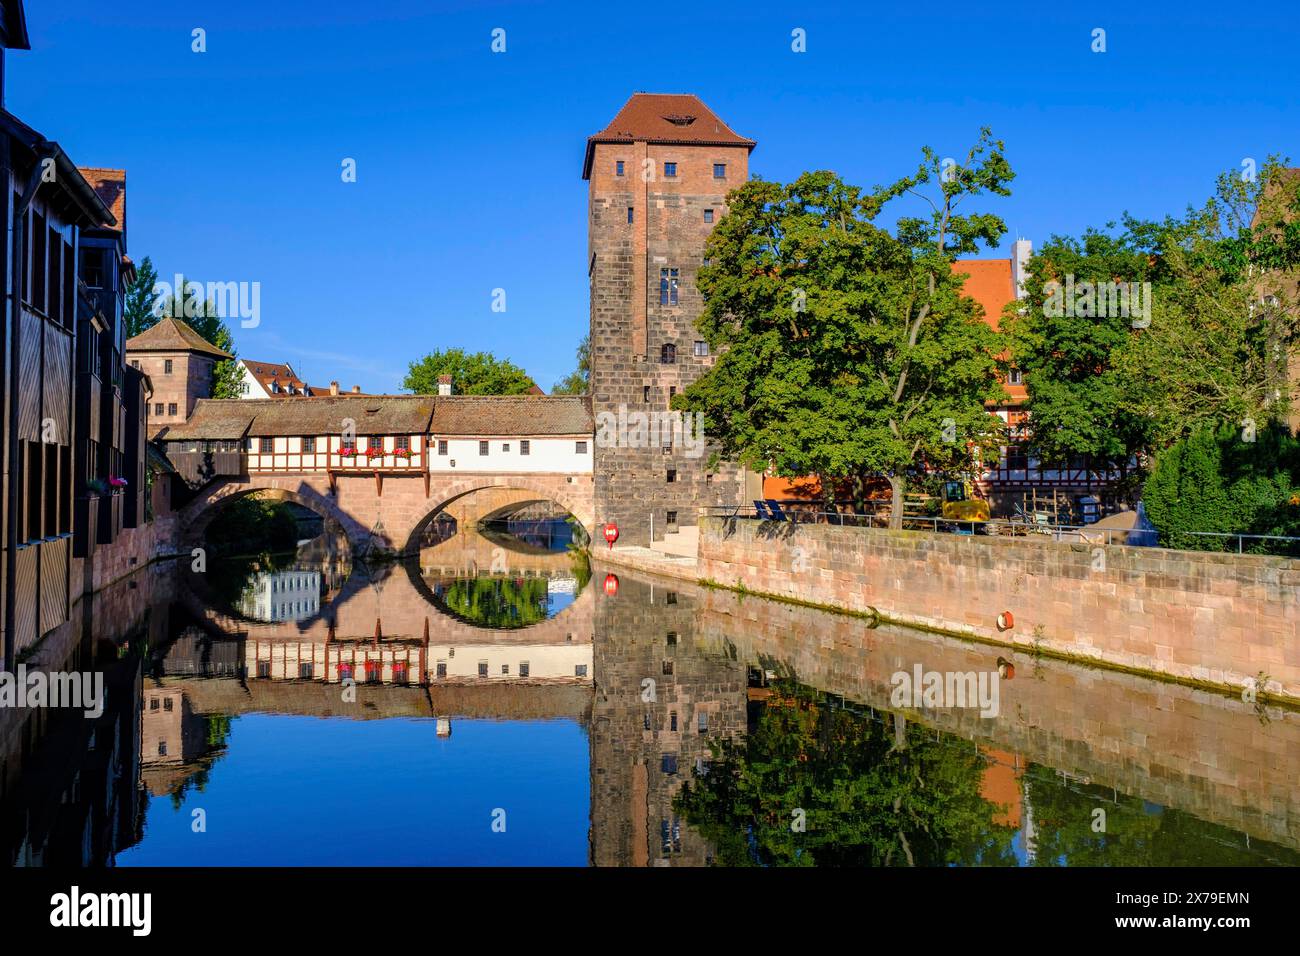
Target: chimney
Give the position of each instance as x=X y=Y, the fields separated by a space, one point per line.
x=1021 y=250
x=356 y=389
x=444 y=384
x=334 y=388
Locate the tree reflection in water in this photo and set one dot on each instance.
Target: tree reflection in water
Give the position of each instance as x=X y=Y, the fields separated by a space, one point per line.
x=866 y=800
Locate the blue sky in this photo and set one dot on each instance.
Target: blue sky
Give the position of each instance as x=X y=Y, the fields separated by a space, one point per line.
x=469 y=162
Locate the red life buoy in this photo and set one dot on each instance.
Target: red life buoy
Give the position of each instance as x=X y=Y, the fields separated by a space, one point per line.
x=1006 y=621
x=611 y=534
x=611 y=585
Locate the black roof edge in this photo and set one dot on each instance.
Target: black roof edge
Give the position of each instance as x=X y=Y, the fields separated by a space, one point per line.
x=67 y=175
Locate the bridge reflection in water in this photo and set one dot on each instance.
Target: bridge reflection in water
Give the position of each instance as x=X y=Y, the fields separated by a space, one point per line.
x=331 y=713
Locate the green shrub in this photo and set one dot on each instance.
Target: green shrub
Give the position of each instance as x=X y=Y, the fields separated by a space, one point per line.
x=1214 y=480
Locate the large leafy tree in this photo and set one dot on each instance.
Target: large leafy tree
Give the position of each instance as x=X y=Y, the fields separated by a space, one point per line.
x=226 y=374
x=1226 y=322
x=1078 y=396
x=846 y=350
x=476 y=373
x=578 y=381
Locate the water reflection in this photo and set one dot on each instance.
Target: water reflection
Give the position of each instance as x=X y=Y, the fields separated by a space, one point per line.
x=317 y=707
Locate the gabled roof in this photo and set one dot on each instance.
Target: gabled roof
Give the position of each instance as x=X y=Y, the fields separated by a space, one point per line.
x=519 y=415
x=991 y=283
x=680 y=118
x=110 y=187
x=215 y=419
x=170 y=334
x=68 y=184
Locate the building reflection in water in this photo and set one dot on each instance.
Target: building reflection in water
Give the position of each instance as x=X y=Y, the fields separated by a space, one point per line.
x=713 y=723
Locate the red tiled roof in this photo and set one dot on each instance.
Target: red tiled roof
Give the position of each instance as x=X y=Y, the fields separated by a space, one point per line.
x=172 y=335
x=989 y=282
x=110 y=187
x=665 y=118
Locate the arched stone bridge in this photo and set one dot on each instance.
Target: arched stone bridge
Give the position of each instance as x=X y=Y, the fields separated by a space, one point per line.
x=389 y=515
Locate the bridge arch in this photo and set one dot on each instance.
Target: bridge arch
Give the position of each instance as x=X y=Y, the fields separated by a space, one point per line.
x=572 y=493
x=198 y=516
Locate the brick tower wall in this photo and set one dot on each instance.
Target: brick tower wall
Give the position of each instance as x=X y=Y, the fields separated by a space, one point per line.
x=629 y=326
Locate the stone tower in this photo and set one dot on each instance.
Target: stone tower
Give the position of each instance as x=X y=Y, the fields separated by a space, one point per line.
x=659 y=175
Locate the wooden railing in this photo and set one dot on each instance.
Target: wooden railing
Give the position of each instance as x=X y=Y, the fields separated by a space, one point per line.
x=197 y=468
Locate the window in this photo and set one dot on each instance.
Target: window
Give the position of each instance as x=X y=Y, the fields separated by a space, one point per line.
x=167 y=366
x=304 y=671
x=442 y=669
x=482 y=448
x=580 y=448
x=670 y=597
x=719 y=170
x=374 y=443
x=442 y=446
x=162 y=748
x=671 y=638
x=524 y=446
x=618 y=168
x=669 y=763
x=92 y=267
x=702 y=721
x=631 y=215
x=157 y=408
x=672 y=475
x=482 y=668
x=672 y=392
x=670 y=170
x=243 y=386
x=1015 y=377
x=668 y=286
x=645 y=393
x=400 y=674
x=671 y=519
x=505 y=668
x=171 y=408
x=701 y=349
x=645 y=723
x=266 y=445
x=153 y=703
x=309 y=445
x=523 y=668
x=263 y=668
x=505 y=446
x=668 y=668
x=668 y=354
x=708 y=215
x=579 y=670
x=402 y=443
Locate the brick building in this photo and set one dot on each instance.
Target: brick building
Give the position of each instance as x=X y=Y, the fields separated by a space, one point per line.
x=658 y=177
x=179 y=363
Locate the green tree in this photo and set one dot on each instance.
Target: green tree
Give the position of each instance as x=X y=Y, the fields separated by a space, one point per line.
x=866 y=801
x=1225 y=324
x=1228 y=480
x=1078 y=397
x=844 y=350
x=577 y=382
x=140 y=297
x=226 y=374
x=477 y=373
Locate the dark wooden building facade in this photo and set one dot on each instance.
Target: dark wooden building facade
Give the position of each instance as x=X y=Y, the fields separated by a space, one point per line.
x=67 y=392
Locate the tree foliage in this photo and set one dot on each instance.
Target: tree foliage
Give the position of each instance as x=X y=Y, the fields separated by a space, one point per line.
x=577 y=382
x=866 y=801
x=138 y=312
x=476 y=373
x=226 y=374
x=844 y=350
x=1229 y=480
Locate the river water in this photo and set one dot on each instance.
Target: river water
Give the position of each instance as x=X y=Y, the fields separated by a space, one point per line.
x=501 y=701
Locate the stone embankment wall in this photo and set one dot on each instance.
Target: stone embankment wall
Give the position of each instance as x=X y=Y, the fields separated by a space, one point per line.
x=1214 y=619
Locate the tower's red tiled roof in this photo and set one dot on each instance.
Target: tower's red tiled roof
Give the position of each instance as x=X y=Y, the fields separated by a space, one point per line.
x=110 y=187
x=665 y=118
x=172 y=335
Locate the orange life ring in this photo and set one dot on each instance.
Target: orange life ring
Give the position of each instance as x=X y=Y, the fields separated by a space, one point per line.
x=1006 y=621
